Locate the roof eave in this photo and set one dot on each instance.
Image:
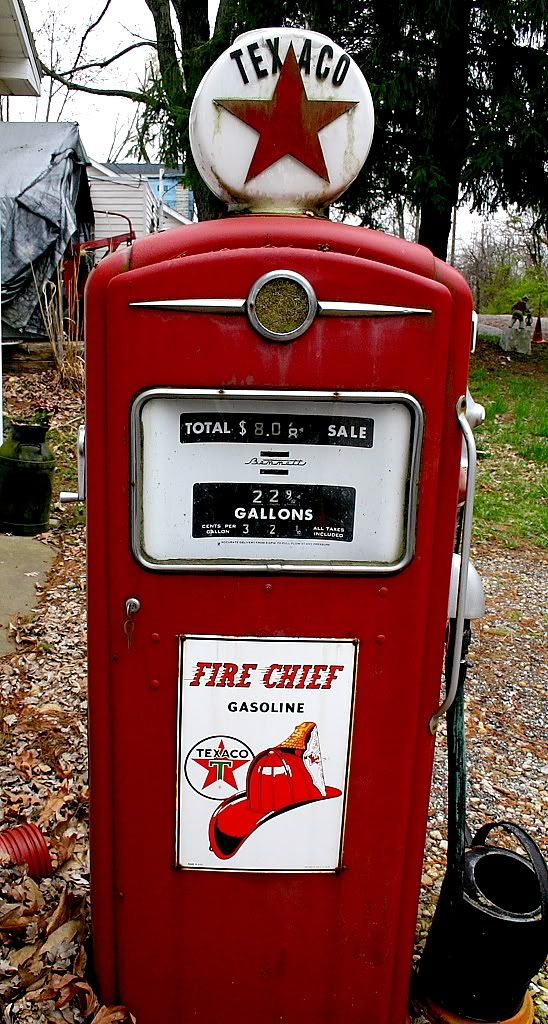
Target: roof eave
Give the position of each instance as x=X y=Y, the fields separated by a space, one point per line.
x=20 y=71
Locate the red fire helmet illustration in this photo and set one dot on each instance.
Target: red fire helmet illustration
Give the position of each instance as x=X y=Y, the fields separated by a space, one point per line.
x=278 y=779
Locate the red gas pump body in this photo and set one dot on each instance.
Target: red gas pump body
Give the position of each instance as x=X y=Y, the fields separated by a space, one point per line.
x=181 y=945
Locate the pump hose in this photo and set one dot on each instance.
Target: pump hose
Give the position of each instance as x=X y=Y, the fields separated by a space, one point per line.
x=458 y=835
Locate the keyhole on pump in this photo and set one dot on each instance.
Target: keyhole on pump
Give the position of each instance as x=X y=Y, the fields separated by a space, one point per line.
x=133 y=605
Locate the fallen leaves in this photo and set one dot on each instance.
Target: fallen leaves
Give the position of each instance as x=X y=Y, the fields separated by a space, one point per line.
x=55 y=803
x=66 y=988
x=62 y=848
x=43 y=929
x=69 y=907
x=114 y=1015
x=26 y=762
x=38 y=389
x=44 y=925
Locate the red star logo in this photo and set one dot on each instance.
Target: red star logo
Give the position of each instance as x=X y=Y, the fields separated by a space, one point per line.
x=219 y=768
x=288 y=124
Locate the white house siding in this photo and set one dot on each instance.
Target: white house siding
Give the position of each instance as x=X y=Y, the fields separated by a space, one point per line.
x=151 y=209
x=184 y=202
x=172 y=219
x=131 y=196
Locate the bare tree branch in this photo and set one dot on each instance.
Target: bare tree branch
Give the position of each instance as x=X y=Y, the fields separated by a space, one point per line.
x=50 y=84
x=118 y=146
x=137 y=97
x=90 y=29
x=109 y=60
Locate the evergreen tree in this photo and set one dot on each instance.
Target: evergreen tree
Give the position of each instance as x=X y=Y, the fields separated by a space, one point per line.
x=459 y=88
x=460 y=99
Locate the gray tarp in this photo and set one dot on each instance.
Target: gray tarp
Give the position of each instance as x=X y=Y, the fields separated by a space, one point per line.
x=44 y=205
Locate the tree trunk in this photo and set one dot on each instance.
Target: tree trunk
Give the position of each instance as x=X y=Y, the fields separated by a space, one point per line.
x=453 y=236
x=435 y=225
x=172 y=80
x=208 y=206
x=449 y=129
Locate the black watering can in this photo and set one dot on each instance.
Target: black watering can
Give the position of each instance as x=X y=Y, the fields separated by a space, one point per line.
x=489 y=934
x=488 y=938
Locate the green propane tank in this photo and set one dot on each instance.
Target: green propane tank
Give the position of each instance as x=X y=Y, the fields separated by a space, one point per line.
x=26 y=475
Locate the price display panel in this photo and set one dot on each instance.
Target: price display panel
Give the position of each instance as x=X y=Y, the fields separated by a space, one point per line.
x=296 y=481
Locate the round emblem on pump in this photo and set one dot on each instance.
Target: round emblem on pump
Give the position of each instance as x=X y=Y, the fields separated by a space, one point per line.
x=282 y=121
x=281 y=305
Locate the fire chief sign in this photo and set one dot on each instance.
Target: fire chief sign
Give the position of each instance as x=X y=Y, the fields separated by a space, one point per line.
x=264 y=746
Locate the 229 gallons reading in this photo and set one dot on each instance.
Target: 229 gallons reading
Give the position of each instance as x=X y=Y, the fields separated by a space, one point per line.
x=304 y=512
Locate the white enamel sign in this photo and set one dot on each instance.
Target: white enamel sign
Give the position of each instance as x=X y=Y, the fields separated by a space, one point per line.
x=264 y=747
x=282 y=121
x=305 y=482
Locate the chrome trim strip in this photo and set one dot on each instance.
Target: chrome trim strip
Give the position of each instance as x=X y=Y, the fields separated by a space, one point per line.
x=194 y=305
x=277 y=396
x=453 y=674
x=368 y=309
x=475 y=323
x=363 y=309
x=178 y=851
x=80 y=495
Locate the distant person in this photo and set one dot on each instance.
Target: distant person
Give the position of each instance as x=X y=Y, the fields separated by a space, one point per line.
x=521 y=312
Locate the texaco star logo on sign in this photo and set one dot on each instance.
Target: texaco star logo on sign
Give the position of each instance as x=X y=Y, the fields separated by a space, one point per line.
x=216 y=766
x=289 y=109
x=282 y=121
x=220 y=766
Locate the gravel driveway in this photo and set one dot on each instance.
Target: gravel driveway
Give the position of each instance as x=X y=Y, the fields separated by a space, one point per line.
x=505 y=721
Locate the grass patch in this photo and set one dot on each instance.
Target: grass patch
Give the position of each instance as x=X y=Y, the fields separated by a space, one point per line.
x=512 y=485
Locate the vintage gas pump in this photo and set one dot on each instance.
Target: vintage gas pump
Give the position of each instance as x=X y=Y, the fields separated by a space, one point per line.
x=276 y=408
